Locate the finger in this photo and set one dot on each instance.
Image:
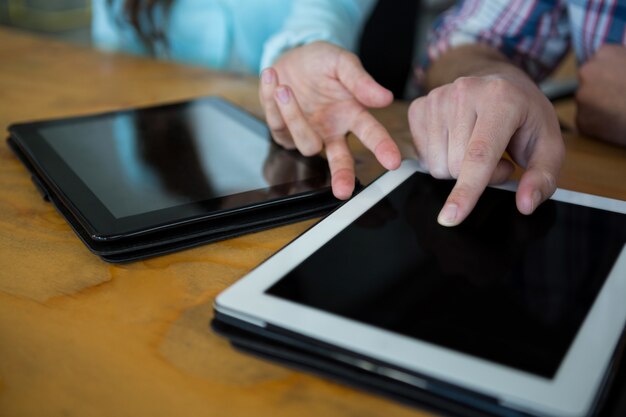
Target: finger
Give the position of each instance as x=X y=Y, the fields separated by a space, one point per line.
x=437 y=132
x=376 y=138
x=306 y=139
x=462 y=126
x=489 y=139
x=539 y=180
x=280 y=133
x=463 y=123
x=417 y=123
x=341 y=167
x=360 y=83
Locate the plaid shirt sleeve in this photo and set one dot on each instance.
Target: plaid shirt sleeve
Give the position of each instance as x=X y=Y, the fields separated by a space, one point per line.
x=533 y=34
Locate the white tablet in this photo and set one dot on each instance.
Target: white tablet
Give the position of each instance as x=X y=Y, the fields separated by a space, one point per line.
x=526 y=311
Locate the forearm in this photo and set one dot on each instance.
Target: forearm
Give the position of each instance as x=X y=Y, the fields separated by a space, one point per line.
x=471 y=60
x=600 y=97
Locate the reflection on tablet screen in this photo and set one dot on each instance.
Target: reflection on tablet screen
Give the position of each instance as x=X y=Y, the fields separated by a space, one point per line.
x=505 y=287
x=157 y=158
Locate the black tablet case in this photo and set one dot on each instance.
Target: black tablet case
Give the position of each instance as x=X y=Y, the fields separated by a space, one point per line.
x=195 y=234
x=303 y=355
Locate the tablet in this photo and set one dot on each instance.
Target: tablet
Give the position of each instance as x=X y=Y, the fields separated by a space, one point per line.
x=506 y=312
x=122 y=175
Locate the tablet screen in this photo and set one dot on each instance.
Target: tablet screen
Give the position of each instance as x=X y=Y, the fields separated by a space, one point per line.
x=157 y=158
x=503 y=287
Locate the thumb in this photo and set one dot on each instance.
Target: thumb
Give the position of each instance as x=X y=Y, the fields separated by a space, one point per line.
x=360 y=83
x=538 y=182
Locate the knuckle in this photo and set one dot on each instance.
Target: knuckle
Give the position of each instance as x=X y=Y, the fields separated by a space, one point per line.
x=368 y=131
x=343 y=159
x=372 y=136
x=463 y=85
x=504 y=91
x=340 y=161
x=464 y=88
x=479 y=151
x=416 y=109
x=459 y=95
x=437 y=99
x=436 y=94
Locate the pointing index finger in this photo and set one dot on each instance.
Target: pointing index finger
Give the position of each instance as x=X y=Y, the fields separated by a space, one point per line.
x=492 y=132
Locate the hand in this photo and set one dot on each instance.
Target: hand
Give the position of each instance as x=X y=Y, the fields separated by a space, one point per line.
x=314 y=96
x=601 y=95
x=461 y=130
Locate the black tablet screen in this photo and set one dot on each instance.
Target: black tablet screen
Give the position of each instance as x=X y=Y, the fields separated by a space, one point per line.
x=152 y=159
x=505 y=287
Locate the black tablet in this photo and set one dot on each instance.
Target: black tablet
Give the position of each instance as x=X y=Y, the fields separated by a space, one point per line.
x=511 y=314
x=138 y=178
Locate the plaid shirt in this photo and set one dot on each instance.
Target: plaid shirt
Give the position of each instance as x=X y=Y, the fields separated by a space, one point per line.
x=534 y=34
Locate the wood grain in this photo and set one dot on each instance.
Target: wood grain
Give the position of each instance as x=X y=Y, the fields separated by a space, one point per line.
x=79 y=337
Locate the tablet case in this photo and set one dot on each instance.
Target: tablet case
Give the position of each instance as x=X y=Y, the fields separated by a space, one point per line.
x=190 y=235
x=304 y=356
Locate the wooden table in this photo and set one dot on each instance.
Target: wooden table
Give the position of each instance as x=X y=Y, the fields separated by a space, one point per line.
x=82 y=337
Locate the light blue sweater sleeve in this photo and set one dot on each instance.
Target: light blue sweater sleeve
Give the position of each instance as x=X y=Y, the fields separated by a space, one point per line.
x=336 y=21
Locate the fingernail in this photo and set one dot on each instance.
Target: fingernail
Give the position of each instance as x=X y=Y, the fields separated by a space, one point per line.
x=341 y=192
x=283 y=95
x=391 y=160
x=267 y=76
x=447 y=216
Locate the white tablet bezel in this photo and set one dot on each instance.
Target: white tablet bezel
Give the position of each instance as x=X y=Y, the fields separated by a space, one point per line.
x=570 y=394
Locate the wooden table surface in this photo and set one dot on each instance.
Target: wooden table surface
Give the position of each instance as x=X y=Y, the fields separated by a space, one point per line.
x=80 y=337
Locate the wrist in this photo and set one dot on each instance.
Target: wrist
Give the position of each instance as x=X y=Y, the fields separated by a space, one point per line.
x=286 y=41
x=474 y=60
